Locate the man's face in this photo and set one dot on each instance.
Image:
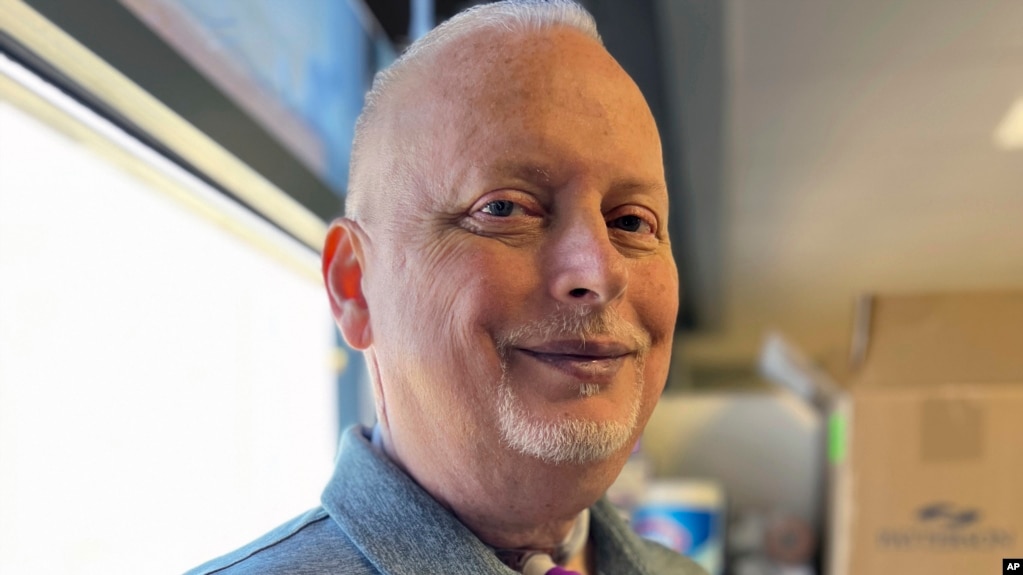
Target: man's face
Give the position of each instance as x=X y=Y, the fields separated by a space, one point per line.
x=521 y=291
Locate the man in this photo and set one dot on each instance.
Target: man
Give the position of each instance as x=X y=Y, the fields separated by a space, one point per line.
x=504 y=264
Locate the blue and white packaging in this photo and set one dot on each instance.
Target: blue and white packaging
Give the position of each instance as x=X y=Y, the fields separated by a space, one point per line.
x=687 y=516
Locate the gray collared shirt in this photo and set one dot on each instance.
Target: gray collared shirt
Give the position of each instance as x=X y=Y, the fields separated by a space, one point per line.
x=377 y=520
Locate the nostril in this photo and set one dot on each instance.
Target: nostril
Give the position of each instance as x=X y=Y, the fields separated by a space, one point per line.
x=579 y=292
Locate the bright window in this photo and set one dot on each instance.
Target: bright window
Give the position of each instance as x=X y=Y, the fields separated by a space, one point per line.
x=167 y=390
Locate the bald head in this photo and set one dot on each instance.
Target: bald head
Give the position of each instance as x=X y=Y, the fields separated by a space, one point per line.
x=385 y=156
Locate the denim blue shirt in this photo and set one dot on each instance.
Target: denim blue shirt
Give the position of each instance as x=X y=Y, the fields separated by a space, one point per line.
x=377 y=520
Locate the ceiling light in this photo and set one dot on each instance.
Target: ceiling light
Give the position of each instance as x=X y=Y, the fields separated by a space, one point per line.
x=1009 y=134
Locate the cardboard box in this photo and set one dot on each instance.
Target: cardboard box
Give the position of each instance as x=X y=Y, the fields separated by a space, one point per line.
x=926 y=438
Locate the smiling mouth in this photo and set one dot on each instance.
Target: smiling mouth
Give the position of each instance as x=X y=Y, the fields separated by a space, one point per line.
x=590 y=367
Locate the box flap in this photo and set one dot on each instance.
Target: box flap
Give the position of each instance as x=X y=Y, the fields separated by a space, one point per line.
x=783 y=364
x=938 y=338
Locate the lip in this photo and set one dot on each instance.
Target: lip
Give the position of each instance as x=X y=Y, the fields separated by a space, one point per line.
x=595 y=349
x=591 y=362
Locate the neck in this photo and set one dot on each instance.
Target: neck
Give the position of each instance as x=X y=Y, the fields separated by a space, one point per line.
x=508 y=502
x=565 y=543
x=501 y=533
x=572 y=551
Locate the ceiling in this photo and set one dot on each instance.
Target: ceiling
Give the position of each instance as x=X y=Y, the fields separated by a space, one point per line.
x=858 y=156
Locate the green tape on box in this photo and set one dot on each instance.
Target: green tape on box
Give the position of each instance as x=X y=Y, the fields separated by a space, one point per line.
x=836 y=438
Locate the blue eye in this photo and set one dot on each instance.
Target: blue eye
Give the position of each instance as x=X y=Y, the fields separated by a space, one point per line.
x=629 y=223
x=499 y=208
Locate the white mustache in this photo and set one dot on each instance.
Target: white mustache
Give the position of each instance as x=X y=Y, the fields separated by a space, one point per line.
x=577 y=323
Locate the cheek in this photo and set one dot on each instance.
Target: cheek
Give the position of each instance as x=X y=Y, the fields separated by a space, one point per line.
x=655 y=301
x=475 y=296
x=484 y=284
x=449 y=299
x=655 y=298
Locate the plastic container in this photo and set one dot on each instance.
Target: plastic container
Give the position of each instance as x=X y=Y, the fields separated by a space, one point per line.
x=687 y=516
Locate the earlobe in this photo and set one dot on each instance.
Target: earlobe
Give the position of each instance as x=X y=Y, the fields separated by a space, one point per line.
x=342 y=275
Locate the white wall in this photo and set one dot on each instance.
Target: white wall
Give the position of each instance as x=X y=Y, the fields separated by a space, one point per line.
x=765 y=449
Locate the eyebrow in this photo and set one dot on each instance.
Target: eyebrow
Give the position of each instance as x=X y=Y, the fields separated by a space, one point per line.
x=538 y=174
x=531 y=172
x=631 y=184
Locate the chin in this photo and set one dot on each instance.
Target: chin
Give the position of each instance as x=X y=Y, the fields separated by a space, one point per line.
x=573 y=439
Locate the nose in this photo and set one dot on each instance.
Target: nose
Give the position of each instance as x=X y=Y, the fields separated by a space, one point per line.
x=584 y=267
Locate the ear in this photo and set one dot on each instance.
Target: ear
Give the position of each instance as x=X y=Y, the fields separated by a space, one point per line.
x=342 y=274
